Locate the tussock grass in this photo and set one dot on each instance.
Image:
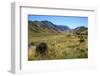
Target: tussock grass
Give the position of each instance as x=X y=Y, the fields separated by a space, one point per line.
x=66 y=46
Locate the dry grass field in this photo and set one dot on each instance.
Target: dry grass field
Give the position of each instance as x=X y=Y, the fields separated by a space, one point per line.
x=60 y=46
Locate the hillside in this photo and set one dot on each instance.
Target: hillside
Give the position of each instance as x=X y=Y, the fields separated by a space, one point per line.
x=80 y=29
x=46 y=27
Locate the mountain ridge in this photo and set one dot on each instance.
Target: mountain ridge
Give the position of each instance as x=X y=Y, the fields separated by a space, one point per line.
x=49 y=27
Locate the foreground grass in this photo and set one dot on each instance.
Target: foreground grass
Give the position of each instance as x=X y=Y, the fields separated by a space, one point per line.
x=65 y=46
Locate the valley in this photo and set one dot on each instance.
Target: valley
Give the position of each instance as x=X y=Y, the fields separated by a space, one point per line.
x=62 y=42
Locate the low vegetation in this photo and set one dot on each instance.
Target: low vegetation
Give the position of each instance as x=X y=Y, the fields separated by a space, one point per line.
x=59 y=47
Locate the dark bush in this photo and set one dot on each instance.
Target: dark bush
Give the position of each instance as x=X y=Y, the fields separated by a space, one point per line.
x=81 y=39
x=42 y=48
x=77 y=33
x=31 y=44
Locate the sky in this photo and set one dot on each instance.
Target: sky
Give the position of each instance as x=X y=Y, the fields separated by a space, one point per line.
x=70 y=21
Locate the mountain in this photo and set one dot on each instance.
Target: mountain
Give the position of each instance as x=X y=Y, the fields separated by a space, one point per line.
x=63 y=28
x=59 y=27
x=81 y=29
x=46 y=27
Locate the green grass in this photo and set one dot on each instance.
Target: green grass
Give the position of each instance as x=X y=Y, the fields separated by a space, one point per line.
x=64 y=46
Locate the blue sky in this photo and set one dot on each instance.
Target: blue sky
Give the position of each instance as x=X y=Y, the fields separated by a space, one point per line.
x=70 y=21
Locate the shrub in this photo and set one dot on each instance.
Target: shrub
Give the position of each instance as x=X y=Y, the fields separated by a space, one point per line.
x=42 y=48
x=81 y=39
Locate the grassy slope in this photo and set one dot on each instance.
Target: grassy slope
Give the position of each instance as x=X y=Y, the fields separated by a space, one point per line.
x=60 y=46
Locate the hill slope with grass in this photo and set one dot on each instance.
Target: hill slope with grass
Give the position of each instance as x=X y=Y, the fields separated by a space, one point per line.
x=46 y=27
